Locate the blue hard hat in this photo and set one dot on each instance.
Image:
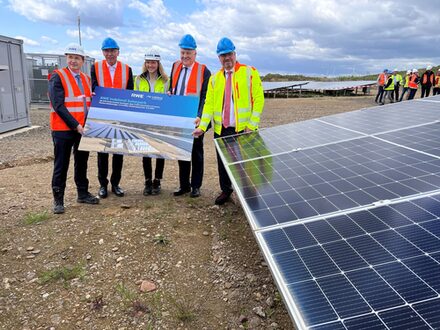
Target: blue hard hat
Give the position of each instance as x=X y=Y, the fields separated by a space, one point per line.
x=109 y=43
x=385 y=70
x=224 y=46
x=187 y=42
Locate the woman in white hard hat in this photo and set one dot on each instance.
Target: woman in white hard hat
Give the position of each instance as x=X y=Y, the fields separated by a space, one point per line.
x=153 y=79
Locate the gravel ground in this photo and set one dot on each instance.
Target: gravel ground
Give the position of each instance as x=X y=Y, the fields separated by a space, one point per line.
x=156 y=262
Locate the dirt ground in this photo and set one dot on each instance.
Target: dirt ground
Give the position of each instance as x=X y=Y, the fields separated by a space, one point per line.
x=84 y=269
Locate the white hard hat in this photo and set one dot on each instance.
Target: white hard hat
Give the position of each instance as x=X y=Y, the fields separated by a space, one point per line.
x=429 y=67
x=74 y=49
x=408 y=71
x=415 y=71
x=152 y=55
x=395 y=70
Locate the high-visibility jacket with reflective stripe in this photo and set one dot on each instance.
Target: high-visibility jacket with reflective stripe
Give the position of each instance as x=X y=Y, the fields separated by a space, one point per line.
x=247 y=94
x=413 y=81
x=381 y=79
x=142 y=84
x=428 y=78
x=437 y=81
x=76 y=102
x=104 y=77
x=195 y=80
x=407 y=77
x=390 y=84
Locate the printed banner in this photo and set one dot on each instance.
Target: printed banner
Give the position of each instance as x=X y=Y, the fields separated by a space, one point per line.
x=141 y=124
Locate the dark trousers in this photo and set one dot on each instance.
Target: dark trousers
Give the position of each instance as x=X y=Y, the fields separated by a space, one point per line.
x=62 y=151
x=225 y=182
x=412 y=93
x=436 y=91
x=396 y=92
x=197 y=162
x=148 y=169
x=405 y=89
x=379 y=95
x=117 y=161
x=426 y=89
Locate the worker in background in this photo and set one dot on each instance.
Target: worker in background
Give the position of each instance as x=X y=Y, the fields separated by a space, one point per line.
x=405 y=85
x=152 y=79
x=427 y=81
x=381 y=80
x=110 y=73
x=388 y=90
x=234 y=102
x=70 y=96
x=397 y=78
x=436 y=90
x=413 y=84
x=189 y=77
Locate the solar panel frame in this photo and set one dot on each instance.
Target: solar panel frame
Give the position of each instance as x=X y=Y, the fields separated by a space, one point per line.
x=398 y=212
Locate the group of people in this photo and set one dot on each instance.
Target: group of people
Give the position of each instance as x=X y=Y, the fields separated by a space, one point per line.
x=389 y=83
x=232 y=100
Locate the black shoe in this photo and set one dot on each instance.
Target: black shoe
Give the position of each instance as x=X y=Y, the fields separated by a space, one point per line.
x=148 y=190
x=156 y=187
x=181 y=191
x=117 y=190
x=88 y=199
x=103 y=193
x=58 y=207
x=195 y=192
x=222 y=198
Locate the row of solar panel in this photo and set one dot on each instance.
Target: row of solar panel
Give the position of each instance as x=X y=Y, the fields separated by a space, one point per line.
x=367 y=262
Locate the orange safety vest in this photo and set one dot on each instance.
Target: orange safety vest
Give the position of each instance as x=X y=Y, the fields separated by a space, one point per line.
x=425 y=78
x=120 y=79
x=413 y=82
x=73 y=100
x=195 y=81
x=381 y=79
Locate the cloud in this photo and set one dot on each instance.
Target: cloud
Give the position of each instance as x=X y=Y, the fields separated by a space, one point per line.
x=87 y=33
x=28 y=41
x=47 y=39
x=153 y=9
x=92 y=12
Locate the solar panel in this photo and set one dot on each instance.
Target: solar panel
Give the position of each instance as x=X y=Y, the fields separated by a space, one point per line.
x=342 y=269
x=346 y=211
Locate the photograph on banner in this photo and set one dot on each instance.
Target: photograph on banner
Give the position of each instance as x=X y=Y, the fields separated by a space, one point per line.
x=140 y=124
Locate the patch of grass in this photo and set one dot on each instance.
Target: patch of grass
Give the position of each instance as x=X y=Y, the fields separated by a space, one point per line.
x=65 y=273
x=161 y=239
x=184 y=309
x=36 y=217
x=127 y=295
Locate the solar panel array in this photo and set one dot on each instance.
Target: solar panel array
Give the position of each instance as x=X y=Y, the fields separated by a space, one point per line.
x=346 y=211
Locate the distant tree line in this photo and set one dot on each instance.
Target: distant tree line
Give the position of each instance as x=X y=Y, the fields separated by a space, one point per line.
x=300 y=77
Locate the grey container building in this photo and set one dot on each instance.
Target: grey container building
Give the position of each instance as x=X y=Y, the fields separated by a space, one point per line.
x=40 y=67
x=14 y=95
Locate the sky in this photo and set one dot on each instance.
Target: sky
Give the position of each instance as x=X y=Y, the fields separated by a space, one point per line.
x=311 y=37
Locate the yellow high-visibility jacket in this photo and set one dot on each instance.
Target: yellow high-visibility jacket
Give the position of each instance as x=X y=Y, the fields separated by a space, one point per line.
x=247 y=94
x=142 y=84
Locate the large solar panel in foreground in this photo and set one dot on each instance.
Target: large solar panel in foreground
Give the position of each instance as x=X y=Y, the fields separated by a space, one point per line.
x=346 y=211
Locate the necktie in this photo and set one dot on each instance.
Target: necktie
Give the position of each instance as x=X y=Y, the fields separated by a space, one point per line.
x=227 y=101
x=80 y=85
x=182 y=83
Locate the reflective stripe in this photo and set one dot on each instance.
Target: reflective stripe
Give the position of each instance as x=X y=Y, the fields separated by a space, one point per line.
x=100 y=75
x=124 y=75
x=242 y=120
x=138 y=83
x=199 y=80
x=66 y=79
x=256 y=114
